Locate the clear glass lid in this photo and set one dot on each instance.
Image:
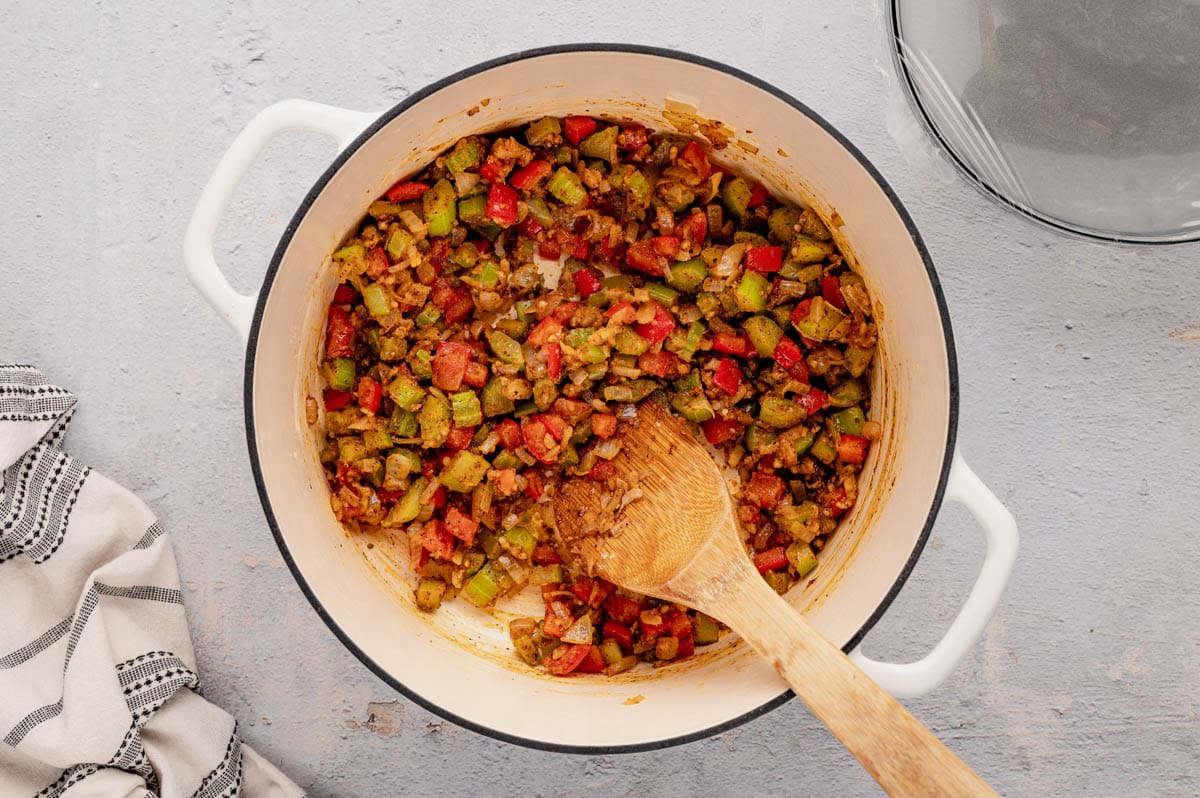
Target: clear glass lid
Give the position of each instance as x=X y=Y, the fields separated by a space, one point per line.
x=1084 y=115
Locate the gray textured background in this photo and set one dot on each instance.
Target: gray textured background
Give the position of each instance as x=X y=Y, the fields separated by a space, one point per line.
x=1078 y=367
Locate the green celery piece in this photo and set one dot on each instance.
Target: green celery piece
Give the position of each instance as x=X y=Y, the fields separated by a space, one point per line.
x=705 y=630
x=823 y=448
x=611 y=651
x=464 y=471
x=428 y=315
x=465 y=408
x=465 y=155
x=545 y=132
x=398 y=242
x=545 y=391
x=520 y=541
x=466 y=255
x=351 y=450
x=506 y=349
x=403 y=423
x=488 y=273
x=513 y=328
x=707 y=302
x=472 y=209
x=566 y=187
x=759 y=438
x=736 y=196
x=802 y=558
x=507 y=459
x=562 y=155
x=602 y=144
x=779 y=581
x=639 y=186
x=751 y=292
x=693 y=405
x=774 y=411
x=629 y=342
x=435 y=421
x=799 y=521
x=781 y=223
x=421 y=364
x=662 y=294
x=377 y=439
x=495 y=403
x=392 y=348
x=525 y=409
x=342 y=373
x=753 y=239
x=857 y=359
x=809 y=250
x=540 y=211
x=439 y=206
x=483 y=588
x=593 y=354
x=763 y=333
x=849 y=420
x=353 y=257
x=376 y=300
x=821 y=321
x=688 y=275
x=577 y=337
x=409 y=506
x=849 y=393
x=429 y=593
x=617 y=282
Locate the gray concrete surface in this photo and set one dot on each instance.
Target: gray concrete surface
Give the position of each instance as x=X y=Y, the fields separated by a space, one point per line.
x=1079 y=383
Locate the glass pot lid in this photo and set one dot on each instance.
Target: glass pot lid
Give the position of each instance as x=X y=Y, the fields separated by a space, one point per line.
x=1084 y=115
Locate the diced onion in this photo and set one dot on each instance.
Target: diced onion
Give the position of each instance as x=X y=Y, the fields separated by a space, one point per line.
x=607 y=448
x=728 y=262
x=464 y=181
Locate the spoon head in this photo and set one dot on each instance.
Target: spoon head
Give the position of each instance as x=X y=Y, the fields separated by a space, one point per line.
x=666 y=502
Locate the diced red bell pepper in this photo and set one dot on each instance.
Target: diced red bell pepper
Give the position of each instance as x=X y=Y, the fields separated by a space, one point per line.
x=557 y=619
x=370 y=395
x=771 y=559
x=800 y=312
x=586 y=282
x=461 y=306
x=553 y=360
x=581 y=250
x=687 y=647
x=666 y=245
x=605 y=426
x=420 y=557
x=603 y=471
x=531 y=227
x=502 y=204
x=570 y=410
x=545 y=554
x=459 y=438
x=645 y=257
x=568 y=657
x=406 y=191
x=593 y=662
x=377 y=262
x=693 y=228
x=450 y=365
x=678 y=623
x=731 y=343
x=612 y=630
x=554 y=425
x=791 y=359
x=535 y=433
x=837 y=501
x=831 y=290
x=344 y=294
x=764 y=489
x=491 y=170
x=622 y=609
x=577 y=128
x=813 y=401
x=439 y=496
x=660 y=363
x=439 y=250
x=563 y=312
x=758 y=195
x=631 y=138
x=694 y=156
x=388 y=496
x=764 y=259
x=534 y=484
x=622 y=312
x=590 y=591
x=346 y=473
x=719 y=430
x=728 y=377
x=852 y=448
x=529 y=176
x=510 y=433
x=659 y=327
x=336 y=400
x=340 y=339
x=437 y=540
x=476 y=375
x=651 y=631
x=461 y=525
x=546 y=250
x=545 y=329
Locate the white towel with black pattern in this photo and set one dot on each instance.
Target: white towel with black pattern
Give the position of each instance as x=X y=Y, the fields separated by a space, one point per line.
x=98 y=688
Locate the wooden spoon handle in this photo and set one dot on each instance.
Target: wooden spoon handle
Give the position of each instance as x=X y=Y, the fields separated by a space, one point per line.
x=894 y=747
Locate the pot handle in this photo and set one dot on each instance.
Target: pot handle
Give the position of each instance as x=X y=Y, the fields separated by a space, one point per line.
x=341 y=124
x=923 y=676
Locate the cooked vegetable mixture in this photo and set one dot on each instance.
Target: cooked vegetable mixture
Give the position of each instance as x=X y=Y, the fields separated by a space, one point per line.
x=500 y=313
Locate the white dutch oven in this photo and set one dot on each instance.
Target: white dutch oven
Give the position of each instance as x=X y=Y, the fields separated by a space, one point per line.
x=458 y=662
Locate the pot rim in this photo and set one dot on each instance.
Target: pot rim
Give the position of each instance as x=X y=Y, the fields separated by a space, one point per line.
x=302 y=211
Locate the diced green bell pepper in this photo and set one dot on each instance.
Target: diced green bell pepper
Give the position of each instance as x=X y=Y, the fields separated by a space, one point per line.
x=602 y=144
x=751 y=292
x=545 y=391
x=466 y=154
x=495 y=403
x=628 y=342
x=809 y=250
x=802 y=558
x=540 y=211
x=403 y=423
x=850 y=392
x=398 y=242
x=429 y=593
x=464 y=471
x=705 y=629
x=439 y=206
x=857 y=359
x=758 y=438
x=342 y=373
x=763 y=333
x=507 y=349
x=405 y=392
x=780 y=413
x=822 y=319
x=782 y=222
x=483 y=588
x=544 y=132
x=823 y=448
x=849 y=420
x=736 y=196
x=434 y=419
x=472 y=209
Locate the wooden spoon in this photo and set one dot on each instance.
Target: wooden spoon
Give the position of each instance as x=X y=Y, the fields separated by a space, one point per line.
x=679 y=542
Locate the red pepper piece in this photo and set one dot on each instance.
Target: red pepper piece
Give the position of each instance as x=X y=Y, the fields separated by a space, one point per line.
x=577 y=128
x=659 y=327
x=567 y=657
x=557 y=619
x=678 y=623
x=533 y=484
x=437 y=540
x=837 y=501
x=771 y=560
x=622 y=312
x=544 y=331
x=621 y=609
x=492 y=170
x=547 y=250
x=406 y=191
x=619 y=632
x=336 y=400
x=370 y=395
x=666 y=245
x=791 y=359
x=592 y=592
x=831 y=290
x=545 y=554
x=719 y=430
x=603 y=471
x=643 y=256
x=459 y=438
x=340 y=339
x=510 y=433
x=527 y=177
x=554 y=425
x=764 y=259
x=694 y=156
x=660 y=363
x=476 y=375
x=728 y=377
x=563 y=312
x=450 y=365
x=687 y=647
x=693 y=229
x=344 y=295
x=593 y=662
x=731 y=343
x=534 y=430
x=586 y=282
x=439 y=495
x=604 y=426
x=531 y=227
x=800 y=312
x=461 y=525
x=553 y=360
x=764 y=489
x=813 y=401
x=631 y=138
x=502 y=205
x=852 y=448
x=377 y=263
x=758 y=195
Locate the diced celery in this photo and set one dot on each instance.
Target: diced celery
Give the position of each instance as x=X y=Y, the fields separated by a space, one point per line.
x=823 y=448
x=688 y=275
x=483 y=588
x=705 y=630
x=507 y=349
x=857 y=359
x=351 y=450
x=753 y=239
x=736 y=196
x=822 y=319
x=464 y=471
x=488 y=273
x=398 y=242
x=342 y=373
x=809 y=250
x=472 y=209
x=849 y=393
x=421 y=363
x=540 y=211
x=662 y=294
x=602 y=144
x=495 y=403
x=691 y=340
x=764 y=334
x=802 y=558
x=464 y=406
x=639 y=186
x=403 y=423
x=545 y=132
x=507 y=459
x=409 y=506
x=466 y=255
x=405 y=392
x=751 y=292
x=435 y=421
x=428 y=315
x=352 y=257
x=781 y=223
x=577 y=337
x=849 y=420
x=429 y=593
x=758 y=438
x=525 y=409
x=377 y=439
x=799 y=521
x=439 y=206
x=566 y=187
x=392 y=348
x=545 y=574
x=629 y=342
x=545 y=391
x=519 y=541
x=466 y=154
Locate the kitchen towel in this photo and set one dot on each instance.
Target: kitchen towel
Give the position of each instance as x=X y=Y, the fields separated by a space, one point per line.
x=99 y=694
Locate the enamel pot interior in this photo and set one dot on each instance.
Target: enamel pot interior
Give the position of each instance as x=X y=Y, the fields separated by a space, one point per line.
x=458 y=661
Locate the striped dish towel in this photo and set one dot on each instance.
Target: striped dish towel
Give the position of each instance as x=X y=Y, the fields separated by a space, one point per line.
x=98 y=688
